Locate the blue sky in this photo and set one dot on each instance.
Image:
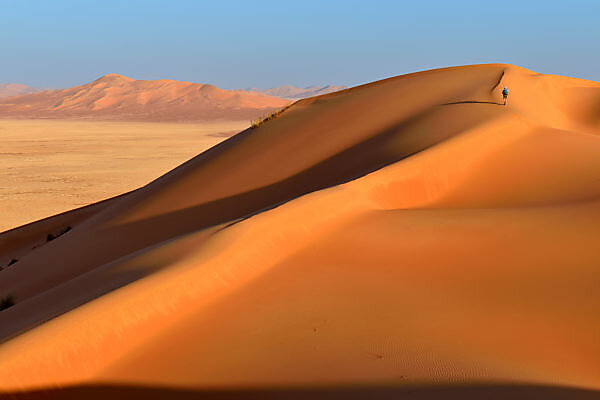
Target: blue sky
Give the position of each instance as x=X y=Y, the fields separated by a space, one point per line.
x=240 y=44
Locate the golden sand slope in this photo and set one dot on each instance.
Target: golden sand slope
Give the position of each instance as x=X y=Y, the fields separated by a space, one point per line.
x=412 y=231
x=117 y=97
x=53 y=166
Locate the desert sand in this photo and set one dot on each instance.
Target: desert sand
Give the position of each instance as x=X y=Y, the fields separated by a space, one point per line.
x=117 y=97
x=412 y=236
x=52 y=166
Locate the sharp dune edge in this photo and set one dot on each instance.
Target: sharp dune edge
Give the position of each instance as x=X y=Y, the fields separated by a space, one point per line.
x=412 y=236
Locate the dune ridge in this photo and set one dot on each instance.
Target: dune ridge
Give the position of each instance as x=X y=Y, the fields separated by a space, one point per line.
x=411 y=231
x=117 y=97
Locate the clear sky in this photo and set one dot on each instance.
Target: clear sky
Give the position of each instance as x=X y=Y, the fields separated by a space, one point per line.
x=253 y=43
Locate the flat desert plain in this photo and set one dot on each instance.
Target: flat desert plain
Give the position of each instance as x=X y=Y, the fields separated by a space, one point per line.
x=51 y=166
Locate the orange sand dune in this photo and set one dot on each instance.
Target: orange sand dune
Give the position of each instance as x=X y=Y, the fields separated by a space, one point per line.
x=116 y=97
x=410 y=236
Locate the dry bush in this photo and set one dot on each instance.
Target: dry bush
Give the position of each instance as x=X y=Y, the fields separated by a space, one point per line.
x=255 y=123
x=7 y=301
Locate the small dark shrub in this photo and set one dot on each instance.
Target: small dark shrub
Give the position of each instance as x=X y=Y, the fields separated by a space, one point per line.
x=255 y=123
x=52 y=236
x=7 y=301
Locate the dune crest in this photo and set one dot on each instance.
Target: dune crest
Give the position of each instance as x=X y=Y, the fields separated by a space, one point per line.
x=411 y=231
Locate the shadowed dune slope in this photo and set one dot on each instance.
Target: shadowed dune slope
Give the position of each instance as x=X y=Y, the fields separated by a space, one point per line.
x=411 y=231
x=116 y=97
x=457 y=392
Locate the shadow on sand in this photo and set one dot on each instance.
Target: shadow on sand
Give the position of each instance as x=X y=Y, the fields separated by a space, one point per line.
x=473 y=101
x=489 y=392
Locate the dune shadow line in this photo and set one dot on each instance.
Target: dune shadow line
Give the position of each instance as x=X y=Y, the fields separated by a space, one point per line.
x=445 y=392
x=498 y=81
x=473 y=101
x=351 y=163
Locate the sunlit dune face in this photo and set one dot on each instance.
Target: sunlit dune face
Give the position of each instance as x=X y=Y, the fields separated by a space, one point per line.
x=413 y=231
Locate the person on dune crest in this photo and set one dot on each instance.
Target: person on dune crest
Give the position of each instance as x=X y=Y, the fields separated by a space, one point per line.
x=505 y=94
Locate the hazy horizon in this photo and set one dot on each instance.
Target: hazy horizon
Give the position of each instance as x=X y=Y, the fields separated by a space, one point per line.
x=238 y=45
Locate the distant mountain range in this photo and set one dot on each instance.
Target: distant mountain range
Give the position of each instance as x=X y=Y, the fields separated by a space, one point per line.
x=117 y=97
x=293 y=92
x=15 y=89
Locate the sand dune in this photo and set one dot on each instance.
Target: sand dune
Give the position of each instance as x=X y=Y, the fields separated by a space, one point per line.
x=116 y=97
x=412 y=235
